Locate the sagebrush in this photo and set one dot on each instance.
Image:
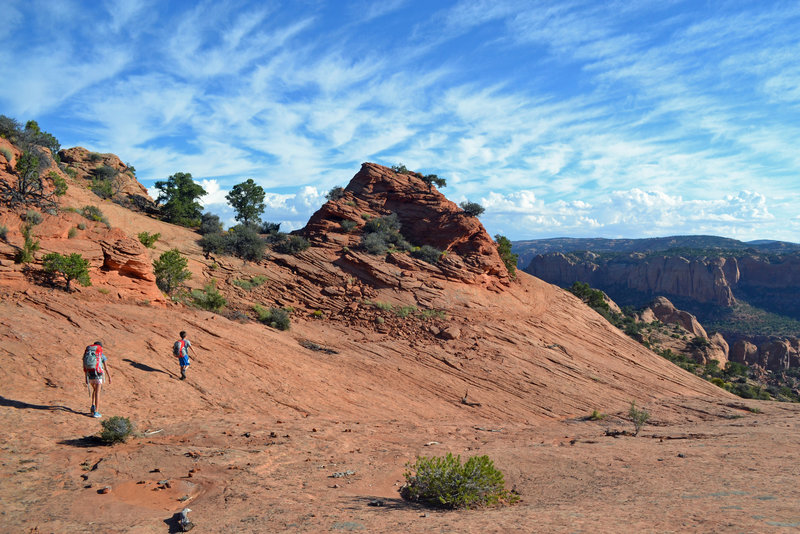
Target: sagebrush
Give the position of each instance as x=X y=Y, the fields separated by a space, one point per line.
x=444 y=482
x=116 y=429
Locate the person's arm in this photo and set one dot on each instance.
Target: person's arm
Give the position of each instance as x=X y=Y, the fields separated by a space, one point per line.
x=105 y=367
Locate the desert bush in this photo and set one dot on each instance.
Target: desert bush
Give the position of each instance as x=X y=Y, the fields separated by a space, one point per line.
x=33 y=217
x=445 y=482
x=638 y=417
x=213 y=243
x=147 y=239
x=275 y=317
x=209 y=298
x=293 y=244
x=93 y=213
x=270 y=227
x=209 y=224
x=81 y=226
x=405 y=311
x=596 y=416
x=374 y=244
x=59 y=183
x=432 y=314
x=382 y=234
x=427 y=253
x=102 y=188
x=116 y=429
x=6 y=153
x=508 y=257
x=72 y=267
x=94 y=157
x=348 y=225
x=170 y=270
x=243 y=241
x=473 y=209
x=3 y=232
x=250 y=284
x=28 y=190
x=71 y=172
x=336 y=193
x=29 y=245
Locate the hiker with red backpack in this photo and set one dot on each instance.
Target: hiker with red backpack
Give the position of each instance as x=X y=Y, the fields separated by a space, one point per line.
x=181 y=350
x=95 y=368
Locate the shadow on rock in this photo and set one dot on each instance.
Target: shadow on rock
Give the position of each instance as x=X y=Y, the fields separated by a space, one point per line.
x=358 y=503
x=84 y=443
x=20 y=405
x=145 y=367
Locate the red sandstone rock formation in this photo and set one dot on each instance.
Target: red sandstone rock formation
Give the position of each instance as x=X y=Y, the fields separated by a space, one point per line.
x=427 y=218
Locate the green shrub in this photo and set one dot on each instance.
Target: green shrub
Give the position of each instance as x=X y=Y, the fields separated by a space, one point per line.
x=147 y=239
x=638 y=417
x=244 y=242
x=317 y=314
x=170 y=270
x=253 y=283
x=81 y=226
x=116 y=429
x=432 y=179
x=210 y=224
x=29 y=246
x=102 y=188
x=473 y=209
x=427 y=253
x=400 y=169
x=274 y=317
x=33 y=217
x=294 y=244
x=432 y=314
x=59 y=183
x=336 y=193
x=213 y=243
x=508 y=257
x=385 y=306
x=445 y=482
x=270 y=227
x=93 y=213
x=6 y=153
x=71 y=172
x=94 y=157
x=405 y=311
x=209 y=298
x=596 y=416
x=382 y=234
x=348 y=225
x=3 y=232
x=72 y=267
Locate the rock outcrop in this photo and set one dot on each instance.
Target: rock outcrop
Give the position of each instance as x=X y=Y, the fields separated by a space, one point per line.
x=126 y=188
x=427 y=218
x=774 y=355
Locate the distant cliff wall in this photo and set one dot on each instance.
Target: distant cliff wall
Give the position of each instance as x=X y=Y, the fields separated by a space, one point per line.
x=704 y=279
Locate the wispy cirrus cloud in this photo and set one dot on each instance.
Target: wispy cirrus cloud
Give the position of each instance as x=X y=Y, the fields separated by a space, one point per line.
x=565 y=117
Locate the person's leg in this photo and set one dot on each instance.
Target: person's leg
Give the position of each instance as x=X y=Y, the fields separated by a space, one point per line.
x=96 y=386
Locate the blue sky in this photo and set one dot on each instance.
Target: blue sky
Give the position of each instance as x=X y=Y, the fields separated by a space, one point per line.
x=572 y=118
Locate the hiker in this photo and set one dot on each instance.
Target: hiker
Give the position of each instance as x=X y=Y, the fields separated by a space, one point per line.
x=95 y=368
x=181 y=350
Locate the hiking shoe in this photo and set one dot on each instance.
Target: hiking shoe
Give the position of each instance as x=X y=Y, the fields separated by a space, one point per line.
x=97 y=415
x=92 y=410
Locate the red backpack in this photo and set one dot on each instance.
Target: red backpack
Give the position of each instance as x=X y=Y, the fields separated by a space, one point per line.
x=93 y=359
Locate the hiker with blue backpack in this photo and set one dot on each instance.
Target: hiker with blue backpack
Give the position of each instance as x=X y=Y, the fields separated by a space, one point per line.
x=180 y=349
x=95 y=368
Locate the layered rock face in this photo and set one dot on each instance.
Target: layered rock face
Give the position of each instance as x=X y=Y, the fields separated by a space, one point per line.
x=775 y=355
x=427 y=218
x=703 y=279
x=126 y=187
